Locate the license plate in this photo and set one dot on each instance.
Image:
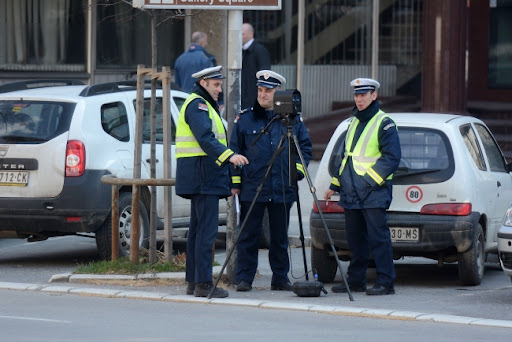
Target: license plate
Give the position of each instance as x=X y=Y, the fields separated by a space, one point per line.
x=14 y=178
x=403 y=234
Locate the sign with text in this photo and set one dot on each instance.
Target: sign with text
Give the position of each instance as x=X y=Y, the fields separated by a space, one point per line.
x=209 y=4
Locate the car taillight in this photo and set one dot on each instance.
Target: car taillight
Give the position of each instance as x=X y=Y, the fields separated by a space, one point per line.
x=328 y=207
x=456 y=209
x=75 y=158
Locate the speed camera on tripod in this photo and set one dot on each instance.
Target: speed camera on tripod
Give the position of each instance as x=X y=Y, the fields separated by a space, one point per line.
x=287 y=102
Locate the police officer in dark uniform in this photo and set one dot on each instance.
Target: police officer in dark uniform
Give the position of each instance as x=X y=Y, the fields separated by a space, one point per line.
x=202 y=175
x=371 y=155
x=276 y=195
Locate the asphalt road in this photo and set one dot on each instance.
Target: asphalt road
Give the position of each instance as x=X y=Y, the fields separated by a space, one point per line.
x=50 y=317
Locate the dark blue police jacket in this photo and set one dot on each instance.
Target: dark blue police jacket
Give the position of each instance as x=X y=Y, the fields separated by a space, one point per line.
x=201 y=175
x=361 y=192
x=247 y=127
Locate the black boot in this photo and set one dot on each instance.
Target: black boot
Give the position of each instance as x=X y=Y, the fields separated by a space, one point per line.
x=203 y=290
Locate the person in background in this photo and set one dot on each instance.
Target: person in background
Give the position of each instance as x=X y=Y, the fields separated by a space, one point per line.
x=276 y=195
x=202 y=175
x=255 y=57
x=371 y=155
x=192 y=61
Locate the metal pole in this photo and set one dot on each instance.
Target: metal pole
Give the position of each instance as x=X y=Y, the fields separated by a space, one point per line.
x=375 y=39
x=232 y=107
x=91 y=40
x=300 y=45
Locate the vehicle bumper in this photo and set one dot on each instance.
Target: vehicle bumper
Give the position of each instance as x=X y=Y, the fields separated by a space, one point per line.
x=436 y=233
x=82 y=206
x=505 y=249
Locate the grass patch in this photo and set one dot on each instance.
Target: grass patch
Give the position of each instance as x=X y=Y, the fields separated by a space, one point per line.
x=124 y=266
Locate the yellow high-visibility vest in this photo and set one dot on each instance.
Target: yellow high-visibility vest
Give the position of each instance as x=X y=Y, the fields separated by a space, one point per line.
x=366 y=152
x=186 y=143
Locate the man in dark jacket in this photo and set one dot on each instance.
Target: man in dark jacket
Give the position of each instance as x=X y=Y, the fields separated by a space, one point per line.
x=192 y=61
x=255 y=57
x=202 y=175
x=371 y=155
x=276 y=195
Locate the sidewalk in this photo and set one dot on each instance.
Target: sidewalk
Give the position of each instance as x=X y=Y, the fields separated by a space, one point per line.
x=171 y=287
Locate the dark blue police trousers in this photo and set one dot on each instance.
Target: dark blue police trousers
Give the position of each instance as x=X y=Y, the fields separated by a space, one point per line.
x=368 y=232
x=204 y=225
x=247 y=249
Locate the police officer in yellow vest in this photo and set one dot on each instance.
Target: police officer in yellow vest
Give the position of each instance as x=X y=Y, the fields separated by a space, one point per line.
x=371 y=153
x=202 y=175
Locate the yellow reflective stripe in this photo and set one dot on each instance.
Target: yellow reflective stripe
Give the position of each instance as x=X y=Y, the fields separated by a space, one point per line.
x=185 y=138
x=236 y=179
x=222 y=158
x=300 y=168
x=375 y=176
x=191 y=151
x=335 y=181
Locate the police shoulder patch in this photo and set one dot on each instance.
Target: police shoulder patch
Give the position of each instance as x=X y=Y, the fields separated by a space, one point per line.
x=203 y=106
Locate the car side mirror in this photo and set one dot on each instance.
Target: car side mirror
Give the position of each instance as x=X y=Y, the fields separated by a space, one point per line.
x=509 y=167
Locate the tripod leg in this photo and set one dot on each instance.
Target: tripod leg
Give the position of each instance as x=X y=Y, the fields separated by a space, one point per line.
x=315 y=198
x=301 y=233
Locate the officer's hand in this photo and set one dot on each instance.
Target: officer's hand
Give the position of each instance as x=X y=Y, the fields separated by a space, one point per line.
x=328 y=194
x=235 y=192
x=238 y=160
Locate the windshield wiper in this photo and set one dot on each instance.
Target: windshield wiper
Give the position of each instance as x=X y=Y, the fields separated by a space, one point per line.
x=404 y=171
x=18 y=138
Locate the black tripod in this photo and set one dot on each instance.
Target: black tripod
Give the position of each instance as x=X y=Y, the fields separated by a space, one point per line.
x=288 y=120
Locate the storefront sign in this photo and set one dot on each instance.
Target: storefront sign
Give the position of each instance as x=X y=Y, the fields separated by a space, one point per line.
x=209 y=4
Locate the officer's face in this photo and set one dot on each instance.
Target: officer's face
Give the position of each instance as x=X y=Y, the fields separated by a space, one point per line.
x=213 y=87
x=364 y=100
x=266 y=97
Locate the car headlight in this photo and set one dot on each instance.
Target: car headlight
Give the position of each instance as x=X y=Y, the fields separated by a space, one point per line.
x=507 y=219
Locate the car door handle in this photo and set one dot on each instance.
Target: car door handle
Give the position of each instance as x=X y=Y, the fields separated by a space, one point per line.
x=498 y=183
x=149 y=160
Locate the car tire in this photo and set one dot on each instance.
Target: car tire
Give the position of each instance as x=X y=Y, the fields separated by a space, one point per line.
x=472 y=262
x=104 y=233
x=324 y=264
x=265 y=232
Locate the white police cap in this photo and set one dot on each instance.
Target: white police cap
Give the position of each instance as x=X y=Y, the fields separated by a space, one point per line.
x=269 y=79
x=364 y=85
x=209 y=73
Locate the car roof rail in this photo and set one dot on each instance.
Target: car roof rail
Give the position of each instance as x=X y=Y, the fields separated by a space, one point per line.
x=114 y=87
x=34 y=84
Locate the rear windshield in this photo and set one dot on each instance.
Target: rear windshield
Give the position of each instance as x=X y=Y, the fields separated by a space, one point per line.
x=33 y=121
x=427 y=156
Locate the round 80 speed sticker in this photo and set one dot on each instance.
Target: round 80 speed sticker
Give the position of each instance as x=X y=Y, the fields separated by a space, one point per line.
x=414 y=194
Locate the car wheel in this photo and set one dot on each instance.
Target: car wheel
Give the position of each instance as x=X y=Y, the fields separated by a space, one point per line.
x=472 y=262
x=104 y=233
x=265 y=232
x=324 y=264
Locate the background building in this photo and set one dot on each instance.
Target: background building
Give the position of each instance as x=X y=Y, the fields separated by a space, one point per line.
x=436 y=55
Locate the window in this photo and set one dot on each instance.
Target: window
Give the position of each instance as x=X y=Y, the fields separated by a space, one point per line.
x=36 y=121
x=427 y=156
x=42 y=35
x=500 y=45
x=124 y=36
x=114 y=121
x=159 y=122
x=493 y=152
x=472 y=145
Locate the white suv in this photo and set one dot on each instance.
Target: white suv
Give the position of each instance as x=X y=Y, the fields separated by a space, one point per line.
x=57 y=141
x=449 y=195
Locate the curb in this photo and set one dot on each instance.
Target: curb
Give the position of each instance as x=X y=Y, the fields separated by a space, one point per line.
x=325 y=309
